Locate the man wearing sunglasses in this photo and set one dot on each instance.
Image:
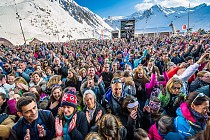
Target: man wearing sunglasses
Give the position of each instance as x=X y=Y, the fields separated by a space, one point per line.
x=114 y=97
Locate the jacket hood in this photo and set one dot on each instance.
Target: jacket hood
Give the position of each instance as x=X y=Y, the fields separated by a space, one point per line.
x=185 y=112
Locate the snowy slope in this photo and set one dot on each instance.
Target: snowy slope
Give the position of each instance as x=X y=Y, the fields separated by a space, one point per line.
x=158 y=18
x=49 y=20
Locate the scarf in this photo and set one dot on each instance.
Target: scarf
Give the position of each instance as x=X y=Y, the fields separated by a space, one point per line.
x=200 y=119
x=65 y=127
x=91 y=112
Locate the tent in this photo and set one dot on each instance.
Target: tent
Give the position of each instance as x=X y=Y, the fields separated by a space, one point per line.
x=35 y=41
x=5 y=42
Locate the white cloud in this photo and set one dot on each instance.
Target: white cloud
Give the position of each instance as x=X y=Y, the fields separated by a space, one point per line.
x=146 y=4
x=143 y=6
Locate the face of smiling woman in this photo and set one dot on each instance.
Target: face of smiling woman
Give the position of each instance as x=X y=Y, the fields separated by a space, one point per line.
x=57 y=94
x=68 y=110
x=36 y=78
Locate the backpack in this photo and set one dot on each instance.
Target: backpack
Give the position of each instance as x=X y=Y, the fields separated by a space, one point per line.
x=44 y=117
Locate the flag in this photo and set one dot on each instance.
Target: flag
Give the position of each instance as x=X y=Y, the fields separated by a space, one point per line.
x=184 y=27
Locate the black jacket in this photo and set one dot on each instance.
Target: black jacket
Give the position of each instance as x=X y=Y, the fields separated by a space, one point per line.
x=143 y=121
x=98 y=108
x=107 y=78
x=3 y=108
x=81 y=129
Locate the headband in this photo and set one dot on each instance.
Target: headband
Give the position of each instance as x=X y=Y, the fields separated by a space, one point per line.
x=132 y=105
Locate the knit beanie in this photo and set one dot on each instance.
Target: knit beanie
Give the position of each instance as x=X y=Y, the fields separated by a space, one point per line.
x=70 y=98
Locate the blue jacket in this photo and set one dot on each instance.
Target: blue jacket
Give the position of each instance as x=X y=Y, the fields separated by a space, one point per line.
x=24 y=74
x=137 y=61
x=112 y=105
x=184 y=122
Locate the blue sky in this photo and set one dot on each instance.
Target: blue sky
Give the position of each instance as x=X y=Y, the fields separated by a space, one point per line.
x=105 y=8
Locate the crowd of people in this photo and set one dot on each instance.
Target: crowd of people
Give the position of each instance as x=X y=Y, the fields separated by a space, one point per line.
x=147 y=88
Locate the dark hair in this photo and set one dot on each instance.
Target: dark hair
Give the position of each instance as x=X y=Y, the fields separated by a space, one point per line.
x=202 y=135
x=188 y=58
x=118 y=73
x=23 y=101
x=36 y=72
x=38 y=89
x=168 y=122
x=3 y=96
x=110 y=126
x=127 y=100
x=154 y=99
x=126 y=73
x=2 y=76
x=140 y=134
x=52 y=99
x=198 y=101
x=31 y=94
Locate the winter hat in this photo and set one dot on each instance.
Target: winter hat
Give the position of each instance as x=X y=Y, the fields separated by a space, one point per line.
x=69 y=98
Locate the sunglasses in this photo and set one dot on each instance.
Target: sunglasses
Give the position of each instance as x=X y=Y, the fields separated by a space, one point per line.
x=178 y=88
x=116 y=80
x=199 y=95
x=6 y=66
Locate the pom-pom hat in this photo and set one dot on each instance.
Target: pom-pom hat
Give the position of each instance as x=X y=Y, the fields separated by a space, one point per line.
x=69 y=98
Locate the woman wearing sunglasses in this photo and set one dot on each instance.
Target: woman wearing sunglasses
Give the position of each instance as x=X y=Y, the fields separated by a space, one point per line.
x=133 y=117
x=173 y=97
x=192 y=115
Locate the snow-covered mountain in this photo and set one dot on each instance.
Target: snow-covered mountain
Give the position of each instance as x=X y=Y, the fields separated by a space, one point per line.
x=158 y=18
x=49 y=20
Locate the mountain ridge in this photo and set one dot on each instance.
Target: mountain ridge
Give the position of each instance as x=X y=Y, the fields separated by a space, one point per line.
x=49 y=21
x=159 y=16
